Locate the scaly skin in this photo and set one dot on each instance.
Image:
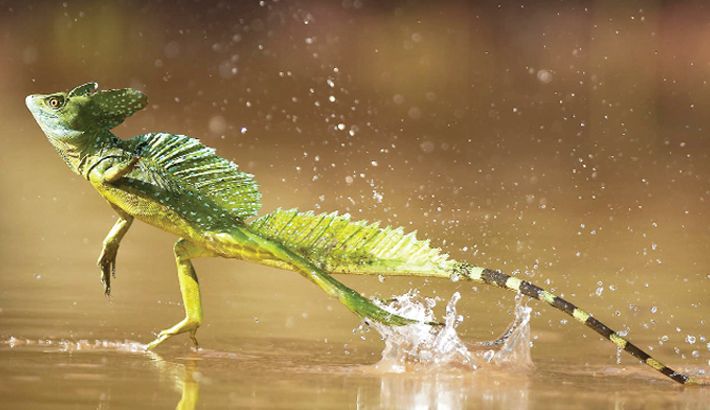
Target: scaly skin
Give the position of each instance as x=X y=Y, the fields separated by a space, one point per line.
x=176 y=184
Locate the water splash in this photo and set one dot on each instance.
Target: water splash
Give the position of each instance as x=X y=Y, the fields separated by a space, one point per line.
x=419 y=344
x=66 y=345
x=512 y=348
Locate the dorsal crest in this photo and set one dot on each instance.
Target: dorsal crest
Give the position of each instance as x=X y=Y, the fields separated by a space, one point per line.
x=337 y=244
x=183 y=162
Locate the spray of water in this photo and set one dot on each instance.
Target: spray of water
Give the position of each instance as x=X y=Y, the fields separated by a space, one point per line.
x=66 y=345
x=416 y=345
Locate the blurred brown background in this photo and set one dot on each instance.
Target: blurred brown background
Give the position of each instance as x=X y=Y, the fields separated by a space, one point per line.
x=565 y=140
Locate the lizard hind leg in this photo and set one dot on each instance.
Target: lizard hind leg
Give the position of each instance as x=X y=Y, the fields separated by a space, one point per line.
x=352 y=300
x=190 y=291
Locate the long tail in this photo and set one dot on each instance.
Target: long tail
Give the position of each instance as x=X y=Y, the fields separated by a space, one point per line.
x=501 y=280
x=337 y=244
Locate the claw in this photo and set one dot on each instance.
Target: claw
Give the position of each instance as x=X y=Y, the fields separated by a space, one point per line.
x=193 y=337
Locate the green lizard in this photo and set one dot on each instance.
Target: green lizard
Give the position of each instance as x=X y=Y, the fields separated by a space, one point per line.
x=176 y=184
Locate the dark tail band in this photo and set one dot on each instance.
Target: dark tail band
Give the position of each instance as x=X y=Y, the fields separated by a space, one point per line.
x=499 y=279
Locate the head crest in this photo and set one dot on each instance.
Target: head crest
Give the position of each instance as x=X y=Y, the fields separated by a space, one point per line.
x=84 y=89
x=111 y=107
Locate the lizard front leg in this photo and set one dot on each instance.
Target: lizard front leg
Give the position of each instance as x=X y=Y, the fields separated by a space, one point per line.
x=190 y=290
x=107 y=170
x=107 y=259
x=120 y=169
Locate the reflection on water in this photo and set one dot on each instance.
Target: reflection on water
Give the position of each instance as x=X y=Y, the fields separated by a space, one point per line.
x=445 y=387
x=223 y=375
x=245 y=377
x=445 y=390
x=185 y=377
x=182 y=375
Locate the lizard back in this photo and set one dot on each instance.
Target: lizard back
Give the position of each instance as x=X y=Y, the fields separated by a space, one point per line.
x=337 y=244
x=182 y=164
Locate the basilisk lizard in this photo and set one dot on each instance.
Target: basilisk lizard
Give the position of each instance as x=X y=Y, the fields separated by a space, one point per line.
x=177 y=184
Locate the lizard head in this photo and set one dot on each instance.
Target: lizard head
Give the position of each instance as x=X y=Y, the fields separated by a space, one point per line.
x=63 y=115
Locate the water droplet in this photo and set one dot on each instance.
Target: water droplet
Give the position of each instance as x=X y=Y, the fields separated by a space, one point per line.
x=217 y=124
x=427 y=146
x=414 y=113
x=544 y=76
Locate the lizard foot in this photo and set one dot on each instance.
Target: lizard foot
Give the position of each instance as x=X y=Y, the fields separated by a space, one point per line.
x=367 y=310
x=107 y=264
x=185 y=325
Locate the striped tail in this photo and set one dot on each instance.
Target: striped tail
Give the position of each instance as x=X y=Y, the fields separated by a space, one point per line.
x=514 y=284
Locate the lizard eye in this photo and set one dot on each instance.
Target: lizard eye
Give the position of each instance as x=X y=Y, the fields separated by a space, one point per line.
x=55 y=102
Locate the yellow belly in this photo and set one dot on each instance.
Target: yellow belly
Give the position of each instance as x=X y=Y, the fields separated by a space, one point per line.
x=149 y=211
x=221 y=242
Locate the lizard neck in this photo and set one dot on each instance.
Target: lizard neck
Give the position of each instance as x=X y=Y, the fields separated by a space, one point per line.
x=79 y=147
